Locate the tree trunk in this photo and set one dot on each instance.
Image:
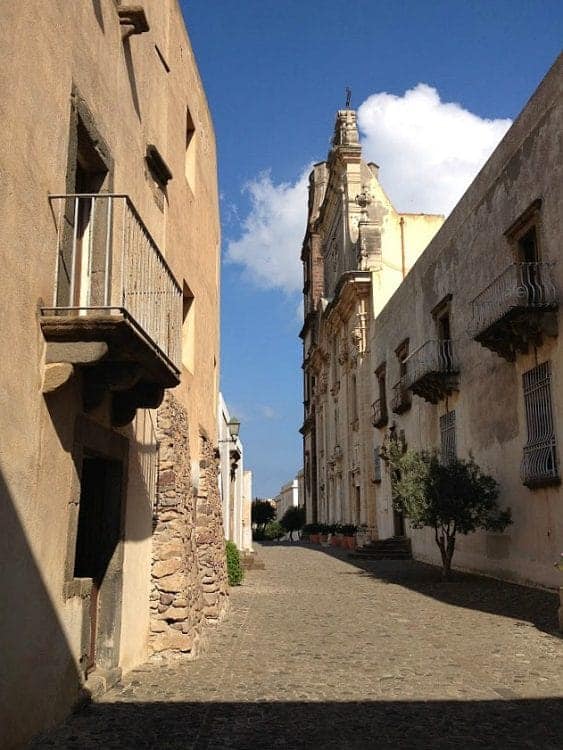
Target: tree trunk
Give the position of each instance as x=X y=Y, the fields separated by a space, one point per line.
x=446 y=567
x=449 y=553
x=446 y=545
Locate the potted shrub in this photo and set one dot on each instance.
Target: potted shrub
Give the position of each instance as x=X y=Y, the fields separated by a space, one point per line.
x=323 y=533
x=336 y=538
x=349 y=533
x=314 y=532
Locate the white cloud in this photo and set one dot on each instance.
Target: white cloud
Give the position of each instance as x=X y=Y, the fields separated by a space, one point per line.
x=429 y=150
x=273 y=231
x=267 y=412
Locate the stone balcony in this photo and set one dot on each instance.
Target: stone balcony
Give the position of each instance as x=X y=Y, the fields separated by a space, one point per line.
x=432 y=370
x=117 y=307
x=517 y=309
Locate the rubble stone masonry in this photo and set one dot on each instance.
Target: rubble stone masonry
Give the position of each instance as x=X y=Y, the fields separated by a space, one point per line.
x=210 y=539
x=189 y=582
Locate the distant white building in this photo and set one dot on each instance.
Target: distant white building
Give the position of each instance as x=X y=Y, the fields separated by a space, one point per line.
x=290 y=495
x=234 y=482
x=246 y=531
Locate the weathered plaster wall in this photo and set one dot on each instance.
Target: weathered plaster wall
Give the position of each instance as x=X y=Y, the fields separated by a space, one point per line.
x=47 y=52
x=141 y=497
x=464 y=257
x=247 y=512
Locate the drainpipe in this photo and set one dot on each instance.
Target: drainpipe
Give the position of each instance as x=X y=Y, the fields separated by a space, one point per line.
x=402 y=225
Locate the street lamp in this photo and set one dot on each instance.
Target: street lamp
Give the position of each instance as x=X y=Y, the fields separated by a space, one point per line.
x=234 y=426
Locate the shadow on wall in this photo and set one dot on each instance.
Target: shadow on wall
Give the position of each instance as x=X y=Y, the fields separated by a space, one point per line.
x=96 y=4
x=529 y=605
x=38 y=677
x=385 y=725
x=131 y=75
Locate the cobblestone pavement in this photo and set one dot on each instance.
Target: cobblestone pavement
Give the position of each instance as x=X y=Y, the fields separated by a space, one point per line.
x=320 y=652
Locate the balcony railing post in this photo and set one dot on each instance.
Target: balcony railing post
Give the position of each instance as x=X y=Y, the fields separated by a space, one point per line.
x=58 y=256
x=107 y=251
x=73 y=259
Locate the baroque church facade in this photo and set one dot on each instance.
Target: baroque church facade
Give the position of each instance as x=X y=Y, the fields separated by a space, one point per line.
x=356 y=252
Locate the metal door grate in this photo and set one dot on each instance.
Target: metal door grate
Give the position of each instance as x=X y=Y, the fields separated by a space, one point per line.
x=447 y=437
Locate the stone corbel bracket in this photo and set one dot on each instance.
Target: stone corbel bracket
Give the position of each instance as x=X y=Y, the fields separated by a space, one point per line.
x=133 y=18
x=61 y=358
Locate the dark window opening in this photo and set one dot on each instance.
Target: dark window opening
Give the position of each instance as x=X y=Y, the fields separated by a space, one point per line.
x=99 y=517
x=528 y=251
x=380 y=375
x=402 y=353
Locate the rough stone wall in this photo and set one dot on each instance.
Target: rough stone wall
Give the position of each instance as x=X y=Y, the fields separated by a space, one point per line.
x=188 y=565
x=210 y=540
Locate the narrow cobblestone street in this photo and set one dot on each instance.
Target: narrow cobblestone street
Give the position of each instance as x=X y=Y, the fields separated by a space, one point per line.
x=319 y=652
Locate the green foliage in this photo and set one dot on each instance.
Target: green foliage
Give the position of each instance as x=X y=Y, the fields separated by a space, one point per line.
x=274 y=530
x=348 y=529
x=235 y=571
x=310 y=528
x=262 y=512
x=454 y=497
x=293 y=519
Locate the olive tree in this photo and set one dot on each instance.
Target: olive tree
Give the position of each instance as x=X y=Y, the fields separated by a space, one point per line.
x=293 y=520
x=453 y=497
x=262 y=512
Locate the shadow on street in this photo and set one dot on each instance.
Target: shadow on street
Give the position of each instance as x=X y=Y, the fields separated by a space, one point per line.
x=529 y=605
x=438 y=725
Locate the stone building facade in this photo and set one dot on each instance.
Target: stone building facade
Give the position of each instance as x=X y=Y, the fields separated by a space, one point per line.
x=461 y=354
x=356 y=251
x=289 y=496
x=235 y=483
x=480 y=310
x=110 y=300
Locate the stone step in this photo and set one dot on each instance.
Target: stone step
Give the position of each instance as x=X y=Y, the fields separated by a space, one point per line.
x=394 y=548
x=380 y=555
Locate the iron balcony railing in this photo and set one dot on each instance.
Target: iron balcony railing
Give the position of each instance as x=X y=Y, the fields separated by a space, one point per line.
x=379 y=413
x=401 y=398
x=108 y=263
x=434 y=357
x=539 y=463
x=520 y=285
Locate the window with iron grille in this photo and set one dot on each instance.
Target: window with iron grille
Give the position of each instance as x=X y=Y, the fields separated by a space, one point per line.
x=539 y=461
x=447 y=437
x=376 y=466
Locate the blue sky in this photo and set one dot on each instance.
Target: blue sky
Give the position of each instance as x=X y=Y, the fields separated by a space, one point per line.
x=275 y=72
